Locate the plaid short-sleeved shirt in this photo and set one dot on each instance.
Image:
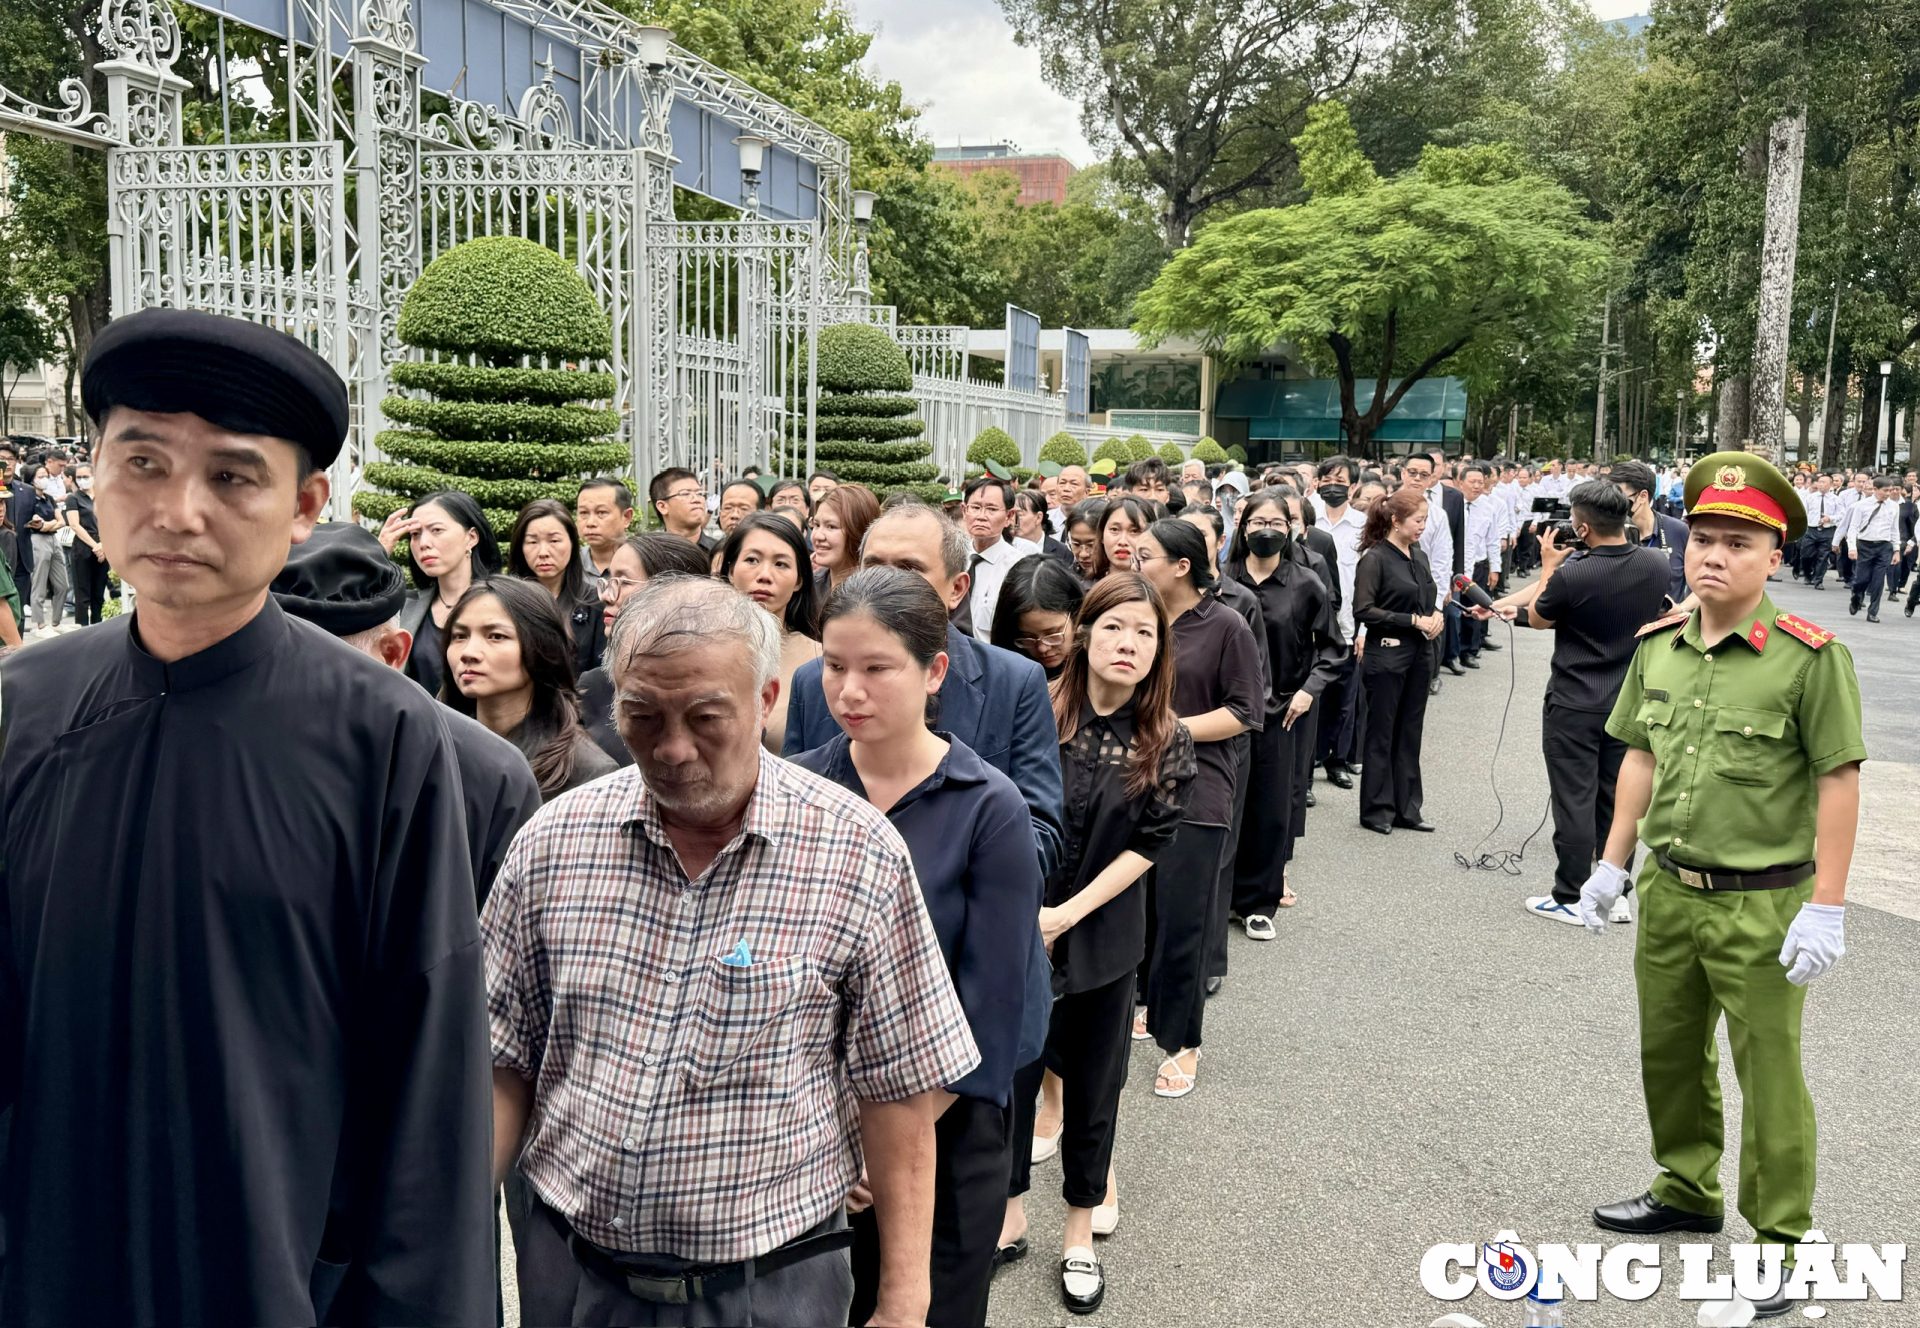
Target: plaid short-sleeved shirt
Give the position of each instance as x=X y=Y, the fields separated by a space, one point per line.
x=697 y=1047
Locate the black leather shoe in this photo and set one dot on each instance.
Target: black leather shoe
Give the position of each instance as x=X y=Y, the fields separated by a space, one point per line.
x=1007 y=1254
x=1340 y=779
x=1909 y=608
x=1311 y=802
x=1378 y=827
x=1773 y=1306
x=1433 y=688
x=1469 y=661
x=1873 y=617
x=1213 y=986
x=1453 y=666
x=1402 y=823
x=1083 y=1285
x=1646 y=1216
x=1853 y=606
x=1491 y=645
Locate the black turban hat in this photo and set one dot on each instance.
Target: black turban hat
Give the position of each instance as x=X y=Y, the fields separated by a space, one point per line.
x=341 y=580
x=244 y=377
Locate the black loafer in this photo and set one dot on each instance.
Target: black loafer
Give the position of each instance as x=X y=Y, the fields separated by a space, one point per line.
x=1378 y=827
x=1468 y=661
x=1402 y=823
x=1007 y=1254
x=1314 y=802
x=1338 y=777
x=1213 y=986
x=1083 y=1285
x=1453 y=666
x=1646 y=1216
x=1773 y=1306
x=1491 y=645
x=1873 y=617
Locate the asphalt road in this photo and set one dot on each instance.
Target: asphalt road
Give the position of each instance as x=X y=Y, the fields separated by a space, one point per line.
x=1416 y=1061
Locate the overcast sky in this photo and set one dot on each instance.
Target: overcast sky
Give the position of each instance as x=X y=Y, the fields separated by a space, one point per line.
x=957 y=61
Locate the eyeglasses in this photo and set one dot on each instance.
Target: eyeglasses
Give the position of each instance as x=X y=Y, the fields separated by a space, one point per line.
x=612 y=586
x=1139 y=557
x=698 y=495
x=1052 y=641
x=983 y=509
x=1257 y=524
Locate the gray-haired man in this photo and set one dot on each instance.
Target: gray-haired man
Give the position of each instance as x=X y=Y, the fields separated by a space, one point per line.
x=713 y=989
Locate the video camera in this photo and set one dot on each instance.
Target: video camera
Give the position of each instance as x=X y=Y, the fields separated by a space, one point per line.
x=1554 y=516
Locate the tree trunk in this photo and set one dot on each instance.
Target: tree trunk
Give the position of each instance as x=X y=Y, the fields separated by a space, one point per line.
x=1803 y=415
x=1786 y=150
x=1866 y=443
x=1833 y=424
x=1731 y=431
x=1600 y=393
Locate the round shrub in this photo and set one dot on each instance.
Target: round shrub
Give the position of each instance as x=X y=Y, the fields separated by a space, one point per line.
x=1209 y=451
x=859 y=357
x=994 y=444
x=501 y=297
x=1170 y=453
x=1138 y=448
x=1237 y=453
x=1114 y=449
x=863 y=431
x=1064 y=449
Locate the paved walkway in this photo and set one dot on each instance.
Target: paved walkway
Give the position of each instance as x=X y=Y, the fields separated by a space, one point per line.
x=1416 y=1061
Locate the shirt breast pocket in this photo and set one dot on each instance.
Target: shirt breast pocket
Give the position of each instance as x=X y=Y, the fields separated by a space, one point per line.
x=1748 y=746
x=1657 y=718
x=743 y=1023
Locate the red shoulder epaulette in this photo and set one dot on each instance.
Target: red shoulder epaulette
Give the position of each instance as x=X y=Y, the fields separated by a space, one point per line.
x=1671 y=620
x=1802 y=630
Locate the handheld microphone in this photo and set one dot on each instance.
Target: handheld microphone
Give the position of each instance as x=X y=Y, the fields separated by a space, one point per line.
x=1468 y=590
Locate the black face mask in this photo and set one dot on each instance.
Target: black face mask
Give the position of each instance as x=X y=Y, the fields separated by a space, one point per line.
x=1333 y=495
x=1267 y=543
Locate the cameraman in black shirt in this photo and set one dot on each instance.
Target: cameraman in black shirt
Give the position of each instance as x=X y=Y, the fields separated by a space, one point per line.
x=1595 y=602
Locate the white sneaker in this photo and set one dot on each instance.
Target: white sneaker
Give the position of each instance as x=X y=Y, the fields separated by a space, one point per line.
x=1543 y=906
x=1259 y=928
x=1621 y=913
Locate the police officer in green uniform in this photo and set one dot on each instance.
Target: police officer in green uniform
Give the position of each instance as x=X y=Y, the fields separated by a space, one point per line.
x=1743 y=779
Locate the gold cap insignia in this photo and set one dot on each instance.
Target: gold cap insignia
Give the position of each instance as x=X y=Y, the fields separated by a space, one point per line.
x=1731 y=478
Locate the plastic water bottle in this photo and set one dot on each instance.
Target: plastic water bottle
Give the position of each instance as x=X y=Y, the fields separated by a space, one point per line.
x=1543 y=1306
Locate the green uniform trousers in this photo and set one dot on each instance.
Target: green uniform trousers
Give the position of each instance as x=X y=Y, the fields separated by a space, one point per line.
x=1699 y=953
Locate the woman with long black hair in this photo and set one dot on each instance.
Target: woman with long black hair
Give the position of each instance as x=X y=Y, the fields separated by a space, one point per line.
x=510 y=666
x=1035 y=611
x=1127 y=763
x=1218 y=695
x=545 y=547
x=1304 y=653
x=766 y=558
x=1393 y=600
x=450 y=545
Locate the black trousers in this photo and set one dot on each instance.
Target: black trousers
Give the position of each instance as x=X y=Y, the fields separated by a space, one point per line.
x=1336 y=729
x=89 y=577
x=1843 y=565
x=1223 y=887
x=972 y=1139
x=1266 y=840
x=1816 y=547
x=1179 y=916
x=1870 y=573
x=1088 y=1046
x=1306 y=736
x=1473 y=632
x=1396 y=678
x=1583 y=763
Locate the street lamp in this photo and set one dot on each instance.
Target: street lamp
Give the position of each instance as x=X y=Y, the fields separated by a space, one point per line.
x=1886 y=424
x=862 y=286
x=655 y=42
x=753 y=158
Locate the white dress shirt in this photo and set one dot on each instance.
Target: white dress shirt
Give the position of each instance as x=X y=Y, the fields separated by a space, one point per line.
x=1346 y=546
x=1872 y=519
x=1483 y=532
x=1438 y=542
x=989 y=567
x=1844 y=501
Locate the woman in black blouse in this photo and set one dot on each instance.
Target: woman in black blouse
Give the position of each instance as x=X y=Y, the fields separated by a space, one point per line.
x=1218 y=693
x=1127 y=765
x=1393 y=599
x=544 y=546
x=1304 y=653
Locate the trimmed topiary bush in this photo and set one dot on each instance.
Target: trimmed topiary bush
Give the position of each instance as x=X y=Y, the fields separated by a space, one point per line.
x=1116 y=450
x=862 y=430
x=1209 y=451
x=993 y=444
x=1138 y=448
x=503 y=432
x=1172 y=454
x=1064 y=449
x=1237 y=453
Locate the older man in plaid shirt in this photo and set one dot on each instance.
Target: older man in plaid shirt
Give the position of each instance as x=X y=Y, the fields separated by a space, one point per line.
x=714 y=991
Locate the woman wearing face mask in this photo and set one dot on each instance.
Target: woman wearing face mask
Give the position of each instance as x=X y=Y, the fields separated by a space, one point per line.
x=1218 y=695
x=545 y=547
x=1034 y=614
x=637 y=560
x=969 y=832
x=86 y=556
x=1393 y=599
x=1304 y=652
x=450 y=545
x=765 y=558
x=1128 y=767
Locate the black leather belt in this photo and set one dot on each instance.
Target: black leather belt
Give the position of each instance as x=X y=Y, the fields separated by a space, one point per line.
x=648 y=1280
x=1701 y=878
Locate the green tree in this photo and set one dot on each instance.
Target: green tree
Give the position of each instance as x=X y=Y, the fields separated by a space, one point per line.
x=25 y=342
x=1064 y=449
x=1449 y=266
x=1201 y=97
x=993 y=444
x=1116 y=451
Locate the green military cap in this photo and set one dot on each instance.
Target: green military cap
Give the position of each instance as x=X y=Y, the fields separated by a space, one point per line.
x=1743 y=485
x=1049 y=469
x=999 y=471
x=953 y=496
x=1104 y=466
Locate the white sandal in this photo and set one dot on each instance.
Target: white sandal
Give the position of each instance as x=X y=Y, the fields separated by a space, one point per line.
x=1183 y=1082
x=1140 y=1033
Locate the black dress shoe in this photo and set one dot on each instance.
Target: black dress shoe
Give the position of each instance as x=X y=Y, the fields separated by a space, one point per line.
x=1873 y=617
x=1007 y=1254
x=1491 y=645
x=1470 y=661
x=1083 y=1284
x=1340 y=779
x=1453 y=666
x=1646 y=1216
x=1403 y=823
x=1213 y=986
x=1433 y=688
x=1853 y=606
x=1312 y=803
x=1378 y=827
x=1773 y=1306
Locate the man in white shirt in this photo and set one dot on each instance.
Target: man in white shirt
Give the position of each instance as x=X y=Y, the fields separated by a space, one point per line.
x=1824 y=511
x=1069 y=489
x=1872 y=537
x=1482 y=562
x=1418 y=474
x=1340 y=727
x=1848 y=498
x=987 y=513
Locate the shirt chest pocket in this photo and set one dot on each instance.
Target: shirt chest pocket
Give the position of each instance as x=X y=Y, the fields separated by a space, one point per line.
x=1749 y=746
x=1657 y=718
x=743 y=1021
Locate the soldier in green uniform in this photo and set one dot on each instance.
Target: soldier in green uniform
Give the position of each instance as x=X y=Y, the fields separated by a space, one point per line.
x=1743 y=779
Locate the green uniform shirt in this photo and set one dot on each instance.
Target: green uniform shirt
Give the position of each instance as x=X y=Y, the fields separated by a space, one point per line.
x=1739 y=731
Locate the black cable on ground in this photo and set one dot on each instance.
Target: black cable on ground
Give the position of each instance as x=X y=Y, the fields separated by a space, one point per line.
x=1507 y=860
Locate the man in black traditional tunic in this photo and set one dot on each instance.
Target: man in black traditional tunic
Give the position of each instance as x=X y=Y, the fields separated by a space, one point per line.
x=242 y=1023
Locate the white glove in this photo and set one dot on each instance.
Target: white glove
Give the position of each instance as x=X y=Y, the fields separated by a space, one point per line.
x=1817 y=937
x=1601 y=892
